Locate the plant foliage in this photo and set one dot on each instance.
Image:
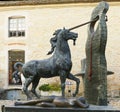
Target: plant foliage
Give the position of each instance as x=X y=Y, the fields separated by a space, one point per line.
x=50 y=87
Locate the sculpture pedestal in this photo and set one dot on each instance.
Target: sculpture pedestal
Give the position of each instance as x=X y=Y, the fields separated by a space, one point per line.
x=46 y=109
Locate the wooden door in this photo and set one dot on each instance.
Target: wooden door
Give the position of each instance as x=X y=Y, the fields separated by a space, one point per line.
x=13 y=57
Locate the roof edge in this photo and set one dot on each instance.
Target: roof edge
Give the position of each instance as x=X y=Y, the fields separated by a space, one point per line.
x=46 y=2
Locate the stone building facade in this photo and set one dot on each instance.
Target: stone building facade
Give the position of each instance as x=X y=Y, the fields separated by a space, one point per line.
x=25 y=31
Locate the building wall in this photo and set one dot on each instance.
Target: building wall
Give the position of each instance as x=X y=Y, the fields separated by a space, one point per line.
x=40 y=2
x=42 y=21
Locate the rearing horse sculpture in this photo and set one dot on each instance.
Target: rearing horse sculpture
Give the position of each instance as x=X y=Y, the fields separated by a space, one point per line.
x=59 y=64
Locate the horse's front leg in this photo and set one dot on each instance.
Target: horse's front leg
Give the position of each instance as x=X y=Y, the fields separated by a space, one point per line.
x=63 y=79
x=77 y=80
x=25 y=88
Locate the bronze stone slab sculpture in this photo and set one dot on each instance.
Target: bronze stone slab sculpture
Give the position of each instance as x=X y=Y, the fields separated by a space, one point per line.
x=95 y=79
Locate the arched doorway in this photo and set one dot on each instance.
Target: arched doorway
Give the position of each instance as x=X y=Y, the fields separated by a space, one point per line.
x=13 y=57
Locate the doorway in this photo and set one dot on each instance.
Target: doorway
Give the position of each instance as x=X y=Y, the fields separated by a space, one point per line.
x=13 y=57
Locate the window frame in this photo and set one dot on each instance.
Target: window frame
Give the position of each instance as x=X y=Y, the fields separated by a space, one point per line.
x=17 y=32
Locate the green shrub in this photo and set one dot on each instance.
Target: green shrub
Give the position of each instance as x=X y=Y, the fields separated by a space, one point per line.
x=48 y=87
x=44 y=87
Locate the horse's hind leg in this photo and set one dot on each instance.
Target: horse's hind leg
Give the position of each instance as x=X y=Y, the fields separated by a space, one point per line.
x=34 y=85
x=25 y=88
x=72 y=77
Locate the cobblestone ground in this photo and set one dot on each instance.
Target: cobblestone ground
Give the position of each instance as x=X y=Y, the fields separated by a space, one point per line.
x=113 y=102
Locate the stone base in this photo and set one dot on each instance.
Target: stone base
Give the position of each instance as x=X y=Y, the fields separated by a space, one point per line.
x=46 y=109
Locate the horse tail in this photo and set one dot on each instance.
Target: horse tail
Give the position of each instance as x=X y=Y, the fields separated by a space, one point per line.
x=17 y=64
x=17 y=70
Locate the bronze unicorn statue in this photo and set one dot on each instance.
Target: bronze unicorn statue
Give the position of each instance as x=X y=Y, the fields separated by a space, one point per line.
x=59 y=64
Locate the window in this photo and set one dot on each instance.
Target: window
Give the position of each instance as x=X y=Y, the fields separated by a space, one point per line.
x=17 y=27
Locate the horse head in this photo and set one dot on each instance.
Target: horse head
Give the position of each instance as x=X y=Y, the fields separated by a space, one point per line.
x=68 y=35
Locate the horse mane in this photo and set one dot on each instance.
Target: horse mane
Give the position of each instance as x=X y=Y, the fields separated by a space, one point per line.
x=53 y=41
